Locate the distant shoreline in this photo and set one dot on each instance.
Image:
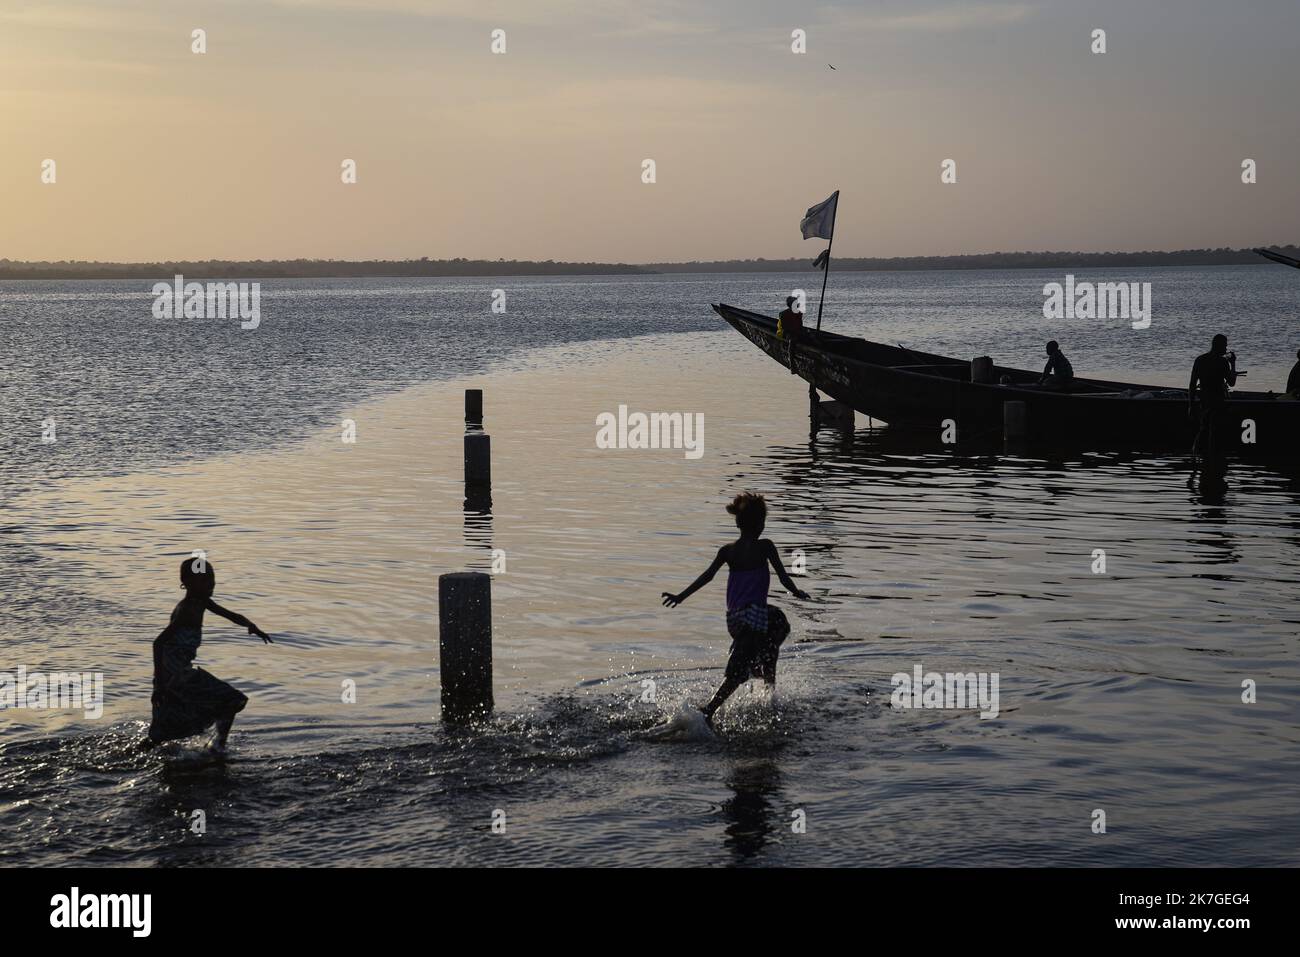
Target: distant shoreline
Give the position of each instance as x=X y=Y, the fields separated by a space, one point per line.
x=468 y=268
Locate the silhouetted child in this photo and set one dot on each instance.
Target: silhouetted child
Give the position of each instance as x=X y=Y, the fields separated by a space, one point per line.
x=186 y=699
x=756 y=628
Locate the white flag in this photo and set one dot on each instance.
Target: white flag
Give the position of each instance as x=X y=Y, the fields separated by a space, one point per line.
x=819 y=222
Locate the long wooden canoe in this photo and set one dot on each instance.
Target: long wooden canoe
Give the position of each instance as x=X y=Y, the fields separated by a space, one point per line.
x=919 y=390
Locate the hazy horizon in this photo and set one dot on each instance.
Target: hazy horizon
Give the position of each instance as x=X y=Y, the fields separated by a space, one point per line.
x=163 y=154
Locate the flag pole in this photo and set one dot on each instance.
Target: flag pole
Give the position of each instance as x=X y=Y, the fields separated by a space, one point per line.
x=827 y=272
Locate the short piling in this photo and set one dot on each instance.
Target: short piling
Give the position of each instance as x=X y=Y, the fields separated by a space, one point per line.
x=473 y=406
x=981 y=370
x=838 y=415
x=465 y=645
x=1015 y=422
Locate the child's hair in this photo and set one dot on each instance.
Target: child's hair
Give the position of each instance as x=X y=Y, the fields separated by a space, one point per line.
x=191 y=576
x=750 y=509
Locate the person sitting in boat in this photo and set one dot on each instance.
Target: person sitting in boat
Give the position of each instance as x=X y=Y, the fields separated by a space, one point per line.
x=1213 y=374
x=789 y=326
x=1293 y=380
x=1058 y=371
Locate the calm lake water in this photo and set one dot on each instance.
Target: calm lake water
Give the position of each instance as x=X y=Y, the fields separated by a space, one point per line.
x=1119 y=691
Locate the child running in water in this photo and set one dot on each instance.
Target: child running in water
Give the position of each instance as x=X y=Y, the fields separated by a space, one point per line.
x=756 y=628
x=186 y=699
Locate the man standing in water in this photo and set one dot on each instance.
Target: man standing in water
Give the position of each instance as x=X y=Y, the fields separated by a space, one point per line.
x=1215 y=372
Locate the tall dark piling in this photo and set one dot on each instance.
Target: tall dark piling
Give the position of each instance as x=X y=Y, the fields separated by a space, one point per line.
x=478 y=456
x=473 y=406
x=465 y=645
x=478 y=462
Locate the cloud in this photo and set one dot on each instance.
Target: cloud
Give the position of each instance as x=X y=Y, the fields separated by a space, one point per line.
x=71 y=16
x=945 y=18
x=610 y=17
x=651 y=105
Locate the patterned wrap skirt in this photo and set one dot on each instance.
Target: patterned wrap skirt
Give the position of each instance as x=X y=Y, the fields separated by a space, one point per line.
x=757 y=632
x=186 y=700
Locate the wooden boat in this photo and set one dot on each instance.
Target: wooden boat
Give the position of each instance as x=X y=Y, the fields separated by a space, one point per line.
x=911 y=389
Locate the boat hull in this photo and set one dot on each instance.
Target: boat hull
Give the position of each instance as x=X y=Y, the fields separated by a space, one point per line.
x=916 y=390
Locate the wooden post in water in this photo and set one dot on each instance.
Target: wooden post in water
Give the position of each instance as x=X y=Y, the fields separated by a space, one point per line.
x=1015 y=422
x=478 y=462
x=473 y=406
x=839 y=415
x=465 y=645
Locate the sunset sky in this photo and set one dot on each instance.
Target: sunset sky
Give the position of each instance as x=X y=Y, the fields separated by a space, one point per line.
x=162 y=153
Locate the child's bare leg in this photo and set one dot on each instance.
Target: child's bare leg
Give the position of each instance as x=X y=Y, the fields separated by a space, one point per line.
x=223 y=730
x=729 y=685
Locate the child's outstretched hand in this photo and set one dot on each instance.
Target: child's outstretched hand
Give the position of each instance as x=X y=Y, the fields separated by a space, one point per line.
x=254 y=630
x=672 y=601
x=800 y=593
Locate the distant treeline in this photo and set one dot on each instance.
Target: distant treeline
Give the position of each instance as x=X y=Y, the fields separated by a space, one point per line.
x=401 y=268
x=1061 y=260
x=307 y=269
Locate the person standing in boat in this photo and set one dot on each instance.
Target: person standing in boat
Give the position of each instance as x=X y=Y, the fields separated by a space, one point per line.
x=1293 y=380
x=789 y=326
x=1213 y=374
x=1058 y=371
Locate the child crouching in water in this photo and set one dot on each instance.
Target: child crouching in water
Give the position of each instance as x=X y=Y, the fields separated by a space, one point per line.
x=756 y=628
x=186 y=699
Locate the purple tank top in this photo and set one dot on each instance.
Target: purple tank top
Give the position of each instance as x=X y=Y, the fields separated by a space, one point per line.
x=747 y=588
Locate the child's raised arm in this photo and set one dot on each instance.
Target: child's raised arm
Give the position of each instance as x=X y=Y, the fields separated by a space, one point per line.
x=239 y=620
x=774 y=557
x=672 y=601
